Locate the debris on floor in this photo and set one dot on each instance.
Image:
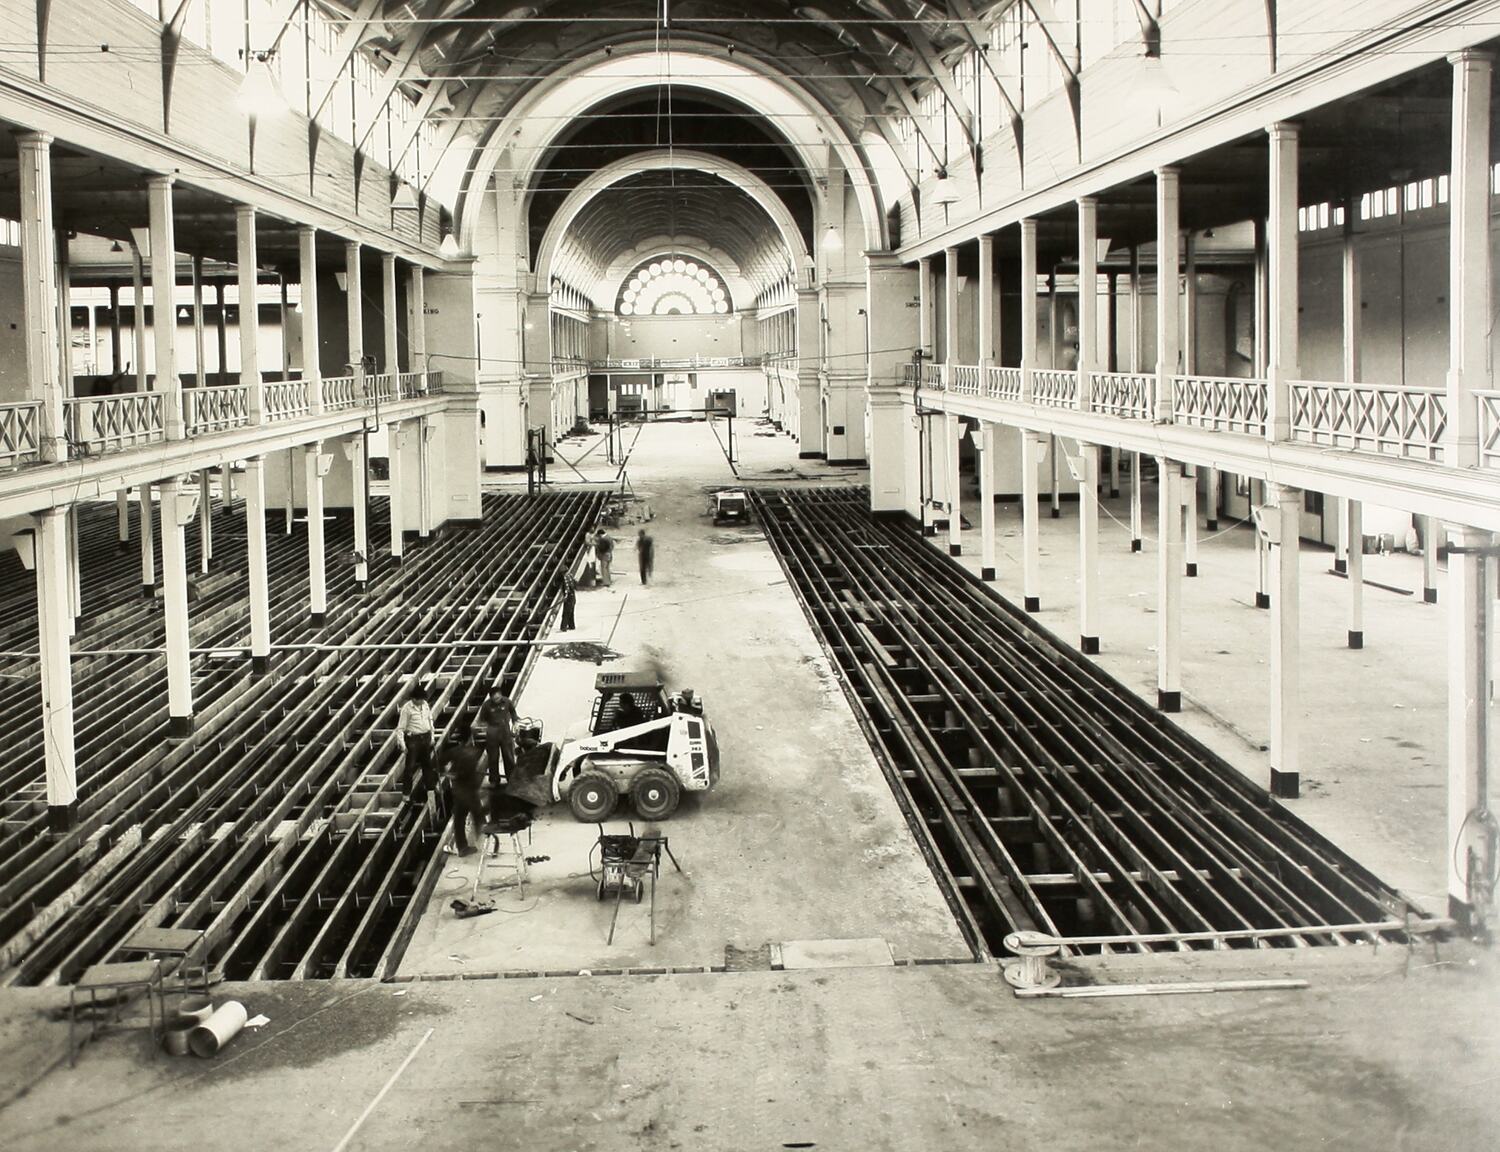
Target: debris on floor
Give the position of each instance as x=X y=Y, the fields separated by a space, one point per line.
x=590 y=651
x=467 y=909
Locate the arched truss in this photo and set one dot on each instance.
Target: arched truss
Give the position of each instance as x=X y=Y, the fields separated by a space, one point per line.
x=658 y=161
x=541 y=115
x=674 y=284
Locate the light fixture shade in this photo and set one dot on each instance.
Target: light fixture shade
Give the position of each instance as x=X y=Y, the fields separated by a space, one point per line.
x=187 y=508
x=943 y=192
x=405 y=199
x=449 y=247
x=832 y=241
x=259 y=94
x=342 y=280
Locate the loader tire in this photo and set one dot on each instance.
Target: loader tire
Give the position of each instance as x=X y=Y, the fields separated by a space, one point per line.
x=593 y=797
x=655 y=793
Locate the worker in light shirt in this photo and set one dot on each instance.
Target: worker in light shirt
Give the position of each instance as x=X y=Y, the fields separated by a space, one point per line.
x=414 y=738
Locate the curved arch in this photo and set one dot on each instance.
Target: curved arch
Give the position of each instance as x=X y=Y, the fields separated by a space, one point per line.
x=690 y=247
x=659 y=161
x=541 y=115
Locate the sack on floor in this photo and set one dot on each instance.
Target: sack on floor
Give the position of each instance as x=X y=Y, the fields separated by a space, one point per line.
x=589 y=577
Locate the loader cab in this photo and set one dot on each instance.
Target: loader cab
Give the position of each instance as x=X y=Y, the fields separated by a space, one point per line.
x=611 y=689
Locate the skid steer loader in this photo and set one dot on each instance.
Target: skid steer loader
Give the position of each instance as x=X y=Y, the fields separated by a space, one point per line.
x=642 y=743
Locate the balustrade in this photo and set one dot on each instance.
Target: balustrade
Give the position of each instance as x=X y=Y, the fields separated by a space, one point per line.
x=215 y=409
x=1489 y=428
x=1004 y=383
x=97 y=424
x=285 y=399
x=20 y=433
x=1404 y=422
x=1128 y=394
x=965 y=379
x=1221 y=403
x=338 y=393
x=1054 y=387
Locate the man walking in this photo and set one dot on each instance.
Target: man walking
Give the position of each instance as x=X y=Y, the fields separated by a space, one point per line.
x=462 y=760
x=604 y=552
x=497 y=715
x=645 y=550
x=414 y=738
x=569 y=603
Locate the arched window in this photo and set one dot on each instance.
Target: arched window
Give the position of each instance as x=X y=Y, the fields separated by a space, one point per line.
x=673 y=286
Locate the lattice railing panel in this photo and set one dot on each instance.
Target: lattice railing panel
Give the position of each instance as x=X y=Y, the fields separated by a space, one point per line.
x=1054 y=387
x=1222 y=403
x=1128 y=394
x=1404 y=422
x=215 y=409
x=1489 y=429
x=109 y=423
x=20 y=433
x=285 y=399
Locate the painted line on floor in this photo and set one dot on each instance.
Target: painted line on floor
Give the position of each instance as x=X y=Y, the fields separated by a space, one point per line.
x=379 y=1096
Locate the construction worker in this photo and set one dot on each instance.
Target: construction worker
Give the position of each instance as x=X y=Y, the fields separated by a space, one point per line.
x=645 y=549
x=414 y=738
x=569 y=603
x=498 y=714
x=462 y=761
x=604 y=552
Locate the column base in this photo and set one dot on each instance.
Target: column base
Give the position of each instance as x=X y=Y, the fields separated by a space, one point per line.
x=1262 y=599
x=940 y=525
x=1340 y=566
x=148 y=591
x=1088 y=645
x=1114 y=493
x=317 y=619
x=260 y=665
x=397 y=558
x=1168 y=701
x=122 y=546
x=1461 y=912
x=179 y=727
x=1190 y=570
x=1429 y=595
x=1057 y=513
x=1285 y=785
x=929 y=529
x=1211 y=525
x=1356 y=639
x=1135 y=545
x=986 y=573
x=62 y=818
x=955 y=549
x=1033 y=603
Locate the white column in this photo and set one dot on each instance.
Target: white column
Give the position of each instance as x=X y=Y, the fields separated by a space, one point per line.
x=1088 y=299
x=164 y=303
x=925 y=307
x=1190 y=520
x=1469 y=319
x=66 y=370
x=1135 y=501
x=1281 y=238
x=138 y=316
x=1353 y=534
x=53 y=620
x=952 y=429
x=122 y=517
x=1031 y=577
x=205 y=519
x=1286 y=627
x=391 y=327
x=75 y=573
x=175 y=604
x=1168 y=585
x=1351 y=348
x=950 y=310
x=986 y=353
x=255 y=532
x=1430 y=533
x=1168 y=322
x=1212 y=501
x=1088 y=549
x=984 y=461
x=1258 y=497
x=148 y=542
x=200 y=367
x=416 y=335
x=312 y=369
x=354 y=446
x=39 y=296
x=396 y=438
x=1136 y=339
x=354 y=313
x=317 y=585
x=247 y=256
x=1471 y=706
x=425 y=431
x=1028 y=308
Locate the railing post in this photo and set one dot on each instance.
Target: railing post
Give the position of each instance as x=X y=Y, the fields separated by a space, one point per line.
x=1168 y=330
x=247 y=257
x=1469 y=320
x=1088 y=296
x=164 y=304
x=1281 y=238
x=39 y=299
x=312 y=371
x=1028 y=306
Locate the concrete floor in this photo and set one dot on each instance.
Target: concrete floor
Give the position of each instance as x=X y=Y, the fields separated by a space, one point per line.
x=800 y=840
x=1387 y=1048
x=1374 y=743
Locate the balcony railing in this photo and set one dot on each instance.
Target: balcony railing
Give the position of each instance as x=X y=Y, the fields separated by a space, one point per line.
x=1054 y=387
x=1128 y=394
x=20 y=433
x=285 y=399
x=1489 y=429
x=1222 y=403
x=1404 y=422
x=98 y=424
x=215 y=409
x=965 y=379
x=411 y=385
x=380 y=386
x=338 y=393
x=1004 y=383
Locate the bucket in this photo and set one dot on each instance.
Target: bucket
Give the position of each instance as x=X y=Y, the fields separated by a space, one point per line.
x=195 y=1008
x=219 y=1029
x=175 y=1038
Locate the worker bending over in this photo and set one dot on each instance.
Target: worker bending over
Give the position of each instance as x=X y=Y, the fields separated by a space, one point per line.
x=461 y=758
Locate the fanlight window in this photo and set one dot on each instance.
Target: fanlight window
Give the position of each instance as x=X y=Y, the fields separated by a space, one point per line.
x=673 y=286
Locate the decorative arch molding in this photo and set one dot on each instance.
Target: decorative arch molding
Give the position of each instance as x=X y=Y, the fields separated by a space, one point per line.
x=529 y=129
x=688 y=247
x=658 y=161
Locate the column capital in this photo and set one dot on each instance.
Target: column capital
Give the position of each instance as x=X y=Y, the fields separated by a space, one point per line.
x=1283 y=493
x=160 y=180
x=306 y=230
x=1283 y=130
x=1028 y=224
x=1471 y=56
x=1168 y=173
x=388 y=258
x=245 y=212
x=1088 y=202
x=950 y=252
x=34 y=139
x=924 y=262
